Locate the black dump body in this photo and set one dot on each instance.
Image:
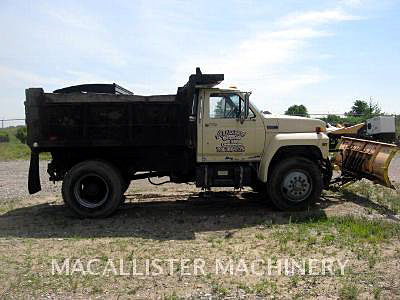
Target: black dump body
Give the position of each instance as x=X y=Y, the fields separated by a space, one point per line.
x=106 y=121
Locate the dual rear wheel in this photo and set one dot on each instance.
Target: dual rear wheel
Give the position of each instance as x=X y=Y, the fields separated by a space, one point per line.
x=93 y=189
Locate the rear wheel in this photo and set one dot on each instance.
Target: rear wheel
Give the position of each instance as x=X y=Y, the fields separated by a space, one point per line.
x=93 y=189
x=295 y=184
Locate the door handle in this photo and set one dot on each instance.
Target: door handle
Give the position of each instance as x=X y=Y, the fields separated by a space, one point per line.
x=211 y=124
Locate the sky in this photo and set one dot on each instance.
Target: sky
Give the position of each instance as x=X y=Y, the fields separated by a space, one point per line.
x=323 y=54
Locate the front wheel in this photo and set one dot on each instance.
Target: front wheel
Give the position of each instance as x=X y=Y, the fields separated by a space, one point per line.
x=295 y=184
x=93 y=189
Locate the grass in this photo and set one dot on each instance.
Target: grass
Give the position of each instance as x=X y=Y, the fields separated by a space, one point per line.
x=4 y=136
x=364 y=230
x=265 y=287
x=218 y=289
x=349 y=292
x=14 y=149
x=173 y=296
x=344 y=230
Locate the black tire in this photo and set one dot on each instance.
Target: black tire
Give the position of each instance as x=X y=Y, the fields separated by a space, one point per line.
x=93 y=189
x=295 y=184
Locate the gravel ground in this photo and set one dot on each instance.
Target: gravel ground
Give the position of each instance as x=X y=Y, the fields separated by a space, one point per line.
x=14 y=181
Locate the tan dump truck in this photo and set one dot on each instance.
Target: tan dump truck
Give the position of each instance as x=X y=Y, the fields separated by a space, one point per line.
x=102 y=136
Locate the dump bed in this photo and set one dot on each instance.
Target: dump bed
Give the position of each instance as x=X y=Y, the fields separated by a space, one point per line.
x=100 y=119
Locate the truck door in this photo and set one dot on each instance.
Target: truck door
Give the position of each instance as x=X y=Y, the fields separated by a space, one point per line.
x=224 y=137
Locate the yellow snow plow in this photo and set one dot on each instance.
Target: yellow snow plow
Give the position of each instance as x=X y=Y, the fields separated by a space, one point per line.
x=336 y=133
x=359 y=158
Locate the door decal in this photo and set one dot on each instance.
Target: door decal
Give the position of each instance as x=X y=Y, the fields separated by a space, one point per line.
x=230 y=140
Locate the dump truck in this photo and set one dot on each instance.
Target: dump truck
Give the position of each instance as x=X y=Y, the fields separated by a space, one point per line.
x=102 y=136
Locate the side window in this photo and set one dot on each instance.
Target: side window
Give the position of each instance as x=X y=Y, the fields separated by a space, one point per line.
x=224 y=106
x=217 y=106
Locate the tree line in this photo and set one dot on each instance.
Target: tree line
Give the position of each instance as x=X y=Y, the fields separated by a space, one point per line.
x=359 y=113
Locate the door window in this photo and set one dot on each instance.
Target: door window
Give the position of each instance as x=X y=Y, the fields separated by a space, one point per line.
x=225 y=106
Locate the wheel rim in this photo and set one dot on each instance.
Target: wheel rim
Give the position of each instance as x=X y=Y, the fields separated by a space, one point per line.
x=91 y=191
x=296 y=186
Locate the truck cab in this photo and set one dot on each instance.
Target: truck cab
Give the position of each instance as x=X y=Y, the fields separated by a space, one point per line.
x=231 y=131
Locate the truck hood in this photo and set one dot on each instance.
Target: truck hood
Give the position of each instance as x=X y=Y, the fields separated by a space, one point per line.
x=284 y=123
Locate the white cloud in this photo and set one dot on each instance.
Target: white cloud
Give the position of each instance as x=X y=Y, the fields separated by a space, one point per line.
x=270 y=62
x=285 y=85
x=251 y=56
x=297 y=33
x=260 y=58
x=312 y=18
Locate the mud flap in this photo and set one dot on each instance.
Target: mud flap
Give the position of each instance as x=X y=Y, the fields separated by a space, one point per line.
x=366 y=159
x=34 y=177
x=327 y=173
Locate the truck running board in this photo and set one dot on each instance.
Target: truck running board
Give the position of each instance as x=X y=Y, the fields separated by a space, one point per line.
x=365 y=159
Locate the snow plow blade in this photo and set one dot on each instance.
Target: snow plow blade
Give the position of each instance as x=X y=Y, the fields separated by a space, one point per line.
x=365 y=159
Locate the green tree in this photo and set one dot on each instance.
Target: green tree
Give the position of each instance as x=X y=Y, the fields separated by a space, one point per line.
x=332 y=119
x=21 y=134
x=360 y=108
x=364 y=110
x=297 y=110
